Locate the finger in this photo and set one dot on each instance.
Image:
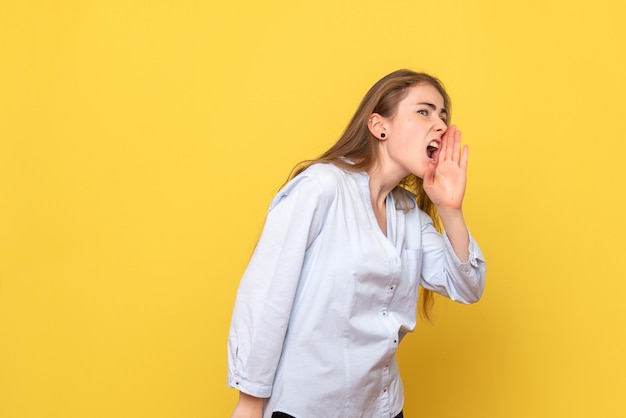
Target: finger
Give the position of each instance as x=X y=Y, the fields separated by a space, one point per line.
x=448 y=145
x=429 y=175
x=442 y=146
x=456 y=147
x=464 y=157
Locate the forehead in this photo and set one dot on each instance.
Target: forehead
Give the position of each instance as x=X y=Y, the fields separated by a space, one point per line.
x=423 y=93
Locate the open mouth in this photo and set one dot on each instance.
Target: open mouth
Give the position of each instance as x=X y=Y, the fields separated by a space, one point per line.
x=432 y=148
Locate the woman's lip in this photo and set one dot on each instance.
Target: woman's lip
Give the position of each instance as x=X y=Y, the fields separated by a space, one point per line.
x=434 y=143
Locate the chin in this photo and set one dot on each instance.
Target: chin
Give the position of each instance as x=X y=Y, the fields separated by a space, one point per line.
x=421 y=170
x=418 y=173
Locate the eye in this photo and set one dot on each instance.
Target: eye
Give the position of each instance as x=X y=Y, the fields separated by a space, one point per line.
x=423 y=112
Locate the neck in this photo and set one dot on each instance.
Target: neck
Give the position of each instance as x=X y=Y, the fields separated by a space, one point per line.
x=382 y=182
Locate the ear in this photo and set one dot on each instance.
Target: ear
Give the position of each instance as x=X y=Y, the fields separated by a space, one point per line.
x=377 y=126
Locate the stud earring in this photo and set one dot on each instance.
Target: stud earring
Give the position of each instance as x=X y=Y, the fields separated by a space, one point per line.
x=383 y=135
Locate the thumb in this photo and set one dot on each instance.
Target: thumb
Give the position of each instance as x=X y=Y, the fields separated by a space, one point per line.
x=429 y=175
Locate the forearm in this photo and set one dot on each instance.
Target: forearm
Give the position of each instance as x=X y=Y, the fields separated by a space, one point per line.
x=454 y=224
x=248 y=407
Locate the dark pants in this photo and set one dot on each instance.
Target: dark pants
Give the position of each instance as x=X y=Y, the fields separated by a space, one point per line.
x=283 y=415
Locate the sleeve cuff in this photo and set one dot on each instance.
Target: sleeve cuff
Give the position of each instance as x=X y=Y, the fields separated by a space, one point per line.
x=249 y=388
x=473 y=249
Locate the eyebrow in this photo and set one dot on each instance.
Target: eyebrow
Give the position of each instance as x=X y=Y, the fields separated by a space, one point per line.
x=433 y=107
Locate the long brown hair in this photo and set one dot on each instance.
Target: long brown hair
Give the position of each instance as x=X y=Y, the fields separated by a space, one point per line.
x=357 y=150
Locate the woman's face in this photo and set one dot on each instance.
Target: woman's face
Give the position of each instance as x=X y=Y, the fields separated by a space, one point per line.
x=413 y=134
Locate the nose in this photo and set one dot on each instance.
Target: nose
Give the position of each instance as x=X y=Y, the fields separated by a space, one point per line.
x=441 y=126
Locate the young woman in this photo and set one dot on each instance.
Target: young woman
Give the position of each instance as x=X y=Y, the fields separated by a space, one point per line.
x=332 y=286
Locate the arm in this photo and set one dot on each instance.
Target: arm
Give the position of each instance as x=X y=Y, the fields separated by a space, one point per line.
x=444 y=272
x=268 y=287
x=453 y=264
x=456 y=230
x=444 y=183
x=248 y=407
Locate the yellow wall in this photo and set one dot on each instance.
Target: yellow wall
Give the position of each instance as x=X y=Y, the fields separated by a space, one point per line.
x=141 y=141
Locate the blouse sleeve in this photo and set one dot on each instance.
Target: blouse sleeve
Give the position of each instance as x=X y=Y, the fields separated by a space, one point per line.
x=268 y=286
x=444 y=273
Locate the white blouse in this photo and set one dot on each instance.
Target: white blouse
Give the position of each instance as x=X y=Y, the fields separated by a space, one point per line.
x=327 y=298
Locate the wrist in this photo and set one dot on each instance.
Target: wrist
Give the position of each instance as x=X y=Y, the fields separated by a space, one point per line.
x=448 y=212
x=250 y=403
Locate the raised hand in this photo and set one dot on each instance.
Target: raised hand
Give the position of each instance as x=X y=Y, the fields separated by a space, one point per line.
x=446 y=177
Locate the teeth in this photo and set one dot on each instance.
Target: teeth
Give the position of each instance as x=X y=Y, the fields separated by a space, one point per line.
x=434 y=144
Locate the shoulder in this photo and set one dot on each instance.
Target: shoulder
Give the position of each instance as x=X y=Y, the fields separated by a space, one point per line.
x=320 y=182
x=327 y=178
x=327 y=175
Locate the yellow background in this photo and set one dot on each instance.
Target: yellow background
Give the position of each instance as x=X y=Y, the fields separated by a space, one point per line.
x=141 y=142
